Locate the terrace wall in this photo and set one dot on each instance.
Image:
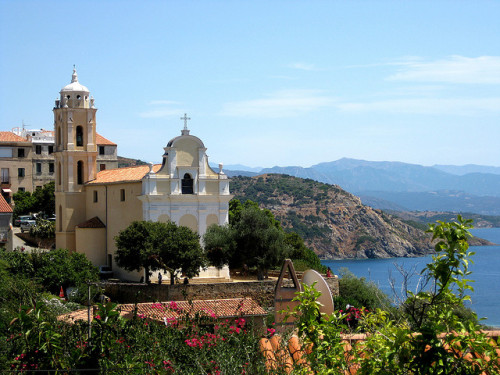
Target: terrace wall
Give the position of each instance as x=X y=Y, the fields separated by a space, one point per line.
x=260 y=291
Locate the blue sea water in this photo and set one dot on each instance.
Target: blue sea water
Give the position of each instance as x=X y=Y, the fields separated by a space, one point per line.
x=485 y=271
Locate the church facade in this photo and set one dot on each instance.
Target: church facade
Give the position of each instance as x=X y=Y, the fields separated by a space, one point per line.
x=93 y=207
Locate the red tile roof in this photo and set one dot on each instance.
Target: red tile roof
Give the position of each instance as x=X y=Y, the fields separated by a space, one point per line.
x=95 y=222
x=219 y=309
x=120 y=175
x=11 y=137
x=4 y=206
x=100 y=140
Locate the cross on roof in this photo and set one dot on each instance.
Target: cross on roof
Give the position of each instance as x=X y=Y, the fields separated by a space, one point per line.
x=185 y=118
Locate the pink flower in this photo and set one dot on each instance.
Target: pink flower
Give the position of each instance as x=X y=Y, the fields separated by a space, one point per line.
x=271 y=331
x=98 y=317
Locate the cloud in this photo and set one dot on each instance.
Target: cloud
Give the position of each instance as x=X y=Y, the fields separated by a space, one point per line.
x=302 y=66
x=162 y=108
x=454 y=69
x=288 y=103
x=434 y=106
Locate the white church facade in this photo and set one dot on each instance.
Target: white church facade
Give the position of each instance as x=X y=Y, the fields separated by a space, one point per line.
x=93 y=207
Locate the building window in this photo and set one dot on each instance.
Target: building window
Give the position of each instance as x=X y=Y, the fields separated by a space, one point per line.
x=51 y=167
x=38 y=149
x=38 y=168
x=79 y=171
x=96 y=197
x=102 y=167
x=5 y=176
x=20 y=152
x=122 y=195
x=51 y=150
x=79 y=136
x=21 y=189
x=59 y=172
x=101 y=150
x=20 y=172
x=187 y=184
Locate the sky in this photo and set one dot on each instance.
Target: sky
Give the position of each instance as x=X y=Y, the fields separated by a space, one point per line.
x=265 y=83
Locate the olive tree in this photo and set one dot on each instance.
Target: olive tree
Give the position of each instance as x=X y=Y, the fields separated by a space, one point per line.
x=155 y=246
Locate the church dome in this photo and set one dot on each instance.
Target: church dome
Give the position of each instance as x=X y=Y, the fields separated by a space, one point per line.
x=74 y=85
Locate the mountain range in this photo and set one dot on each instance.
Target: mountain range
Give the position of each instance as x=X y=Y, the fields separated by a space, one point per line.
x=402 y=186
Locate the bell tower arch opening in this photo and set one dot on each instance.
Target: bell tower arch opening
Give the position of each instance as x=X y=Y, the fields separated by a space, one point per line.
x=187 y=184
x=79 y=136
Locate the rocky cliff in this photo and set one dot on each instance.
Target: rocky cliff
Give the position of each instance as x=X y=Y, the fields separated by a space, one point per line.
x=332 y=221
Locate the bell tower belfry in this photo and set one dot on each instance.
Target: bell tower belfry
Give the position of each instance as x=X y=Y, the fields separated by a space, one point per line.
x=75 y=157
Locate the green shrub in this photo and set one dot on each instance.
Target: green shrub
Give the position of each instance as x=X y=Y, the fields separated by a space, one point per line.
x=359 y=292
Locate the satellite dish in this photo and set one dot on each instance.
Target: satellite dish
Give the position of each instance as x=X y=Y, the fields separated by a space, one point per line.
x=309 y=278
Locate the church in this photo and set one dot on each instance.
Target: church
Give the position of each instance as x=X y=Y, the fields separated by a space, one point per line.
x=93 y=207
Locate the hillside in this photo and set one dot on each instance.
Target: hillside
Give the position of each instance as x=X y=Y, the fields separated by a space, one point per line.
x=332 y=221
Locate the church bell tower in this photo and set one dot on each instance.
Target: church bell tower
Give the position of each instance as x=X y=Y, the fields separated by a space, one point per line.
x=75 y=157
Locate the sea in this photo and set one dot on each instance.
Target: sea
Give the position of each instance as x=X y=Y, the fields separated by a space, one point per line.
x=485 y=299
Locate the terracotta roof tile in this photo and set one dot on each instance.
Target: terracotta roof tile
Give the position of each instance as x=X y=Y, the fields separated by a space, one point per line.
x=4 y=206
x=128 y=174
x=219 y=309
x=103 y=141
x=11 y=137
x=95 y=222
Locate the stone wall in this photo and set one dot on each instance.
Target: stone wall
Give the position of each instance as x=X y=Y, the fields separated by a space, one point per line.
x=260 y=291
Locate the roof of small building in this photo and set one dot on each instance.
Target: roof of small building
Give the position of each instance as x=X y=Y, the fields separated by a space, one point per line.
x=101 y=141
x=95 y=222
x=10 y=137
x=121 y=175
x=4 y=206
x=217 y=309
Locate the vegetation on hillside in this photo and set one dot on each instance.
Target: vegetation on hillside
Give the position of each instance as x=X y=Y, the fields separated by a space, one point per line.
x=422 y=218
x=331 y=221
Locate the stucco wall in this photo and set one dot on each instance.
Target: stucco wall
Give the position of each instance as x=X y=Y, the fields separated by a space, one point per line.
x=90 y=242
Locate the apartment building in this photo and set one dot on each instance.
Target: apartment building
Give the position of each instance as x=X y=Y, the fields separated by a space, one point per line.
x=27 y=159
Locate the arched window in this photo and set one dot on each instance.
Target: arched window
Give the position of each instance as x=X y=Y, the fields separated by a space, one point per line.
x=59 y=136
x=79 y=168
x=79 y=136
x=187 y=184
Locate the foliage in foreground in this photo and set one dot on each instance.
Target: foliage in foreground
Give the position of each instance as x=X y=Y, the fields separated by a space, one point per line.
x=428 y=338
x=50 y=269
x=192 y=345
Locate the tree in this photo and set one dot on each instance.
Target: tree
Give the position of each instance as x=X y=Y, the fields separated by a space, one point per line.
x=179 y=251
x=136 y=247
x=44 y=229
x=302 y=256
x=253 y=238
x=40 y=201
x=159 y=246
